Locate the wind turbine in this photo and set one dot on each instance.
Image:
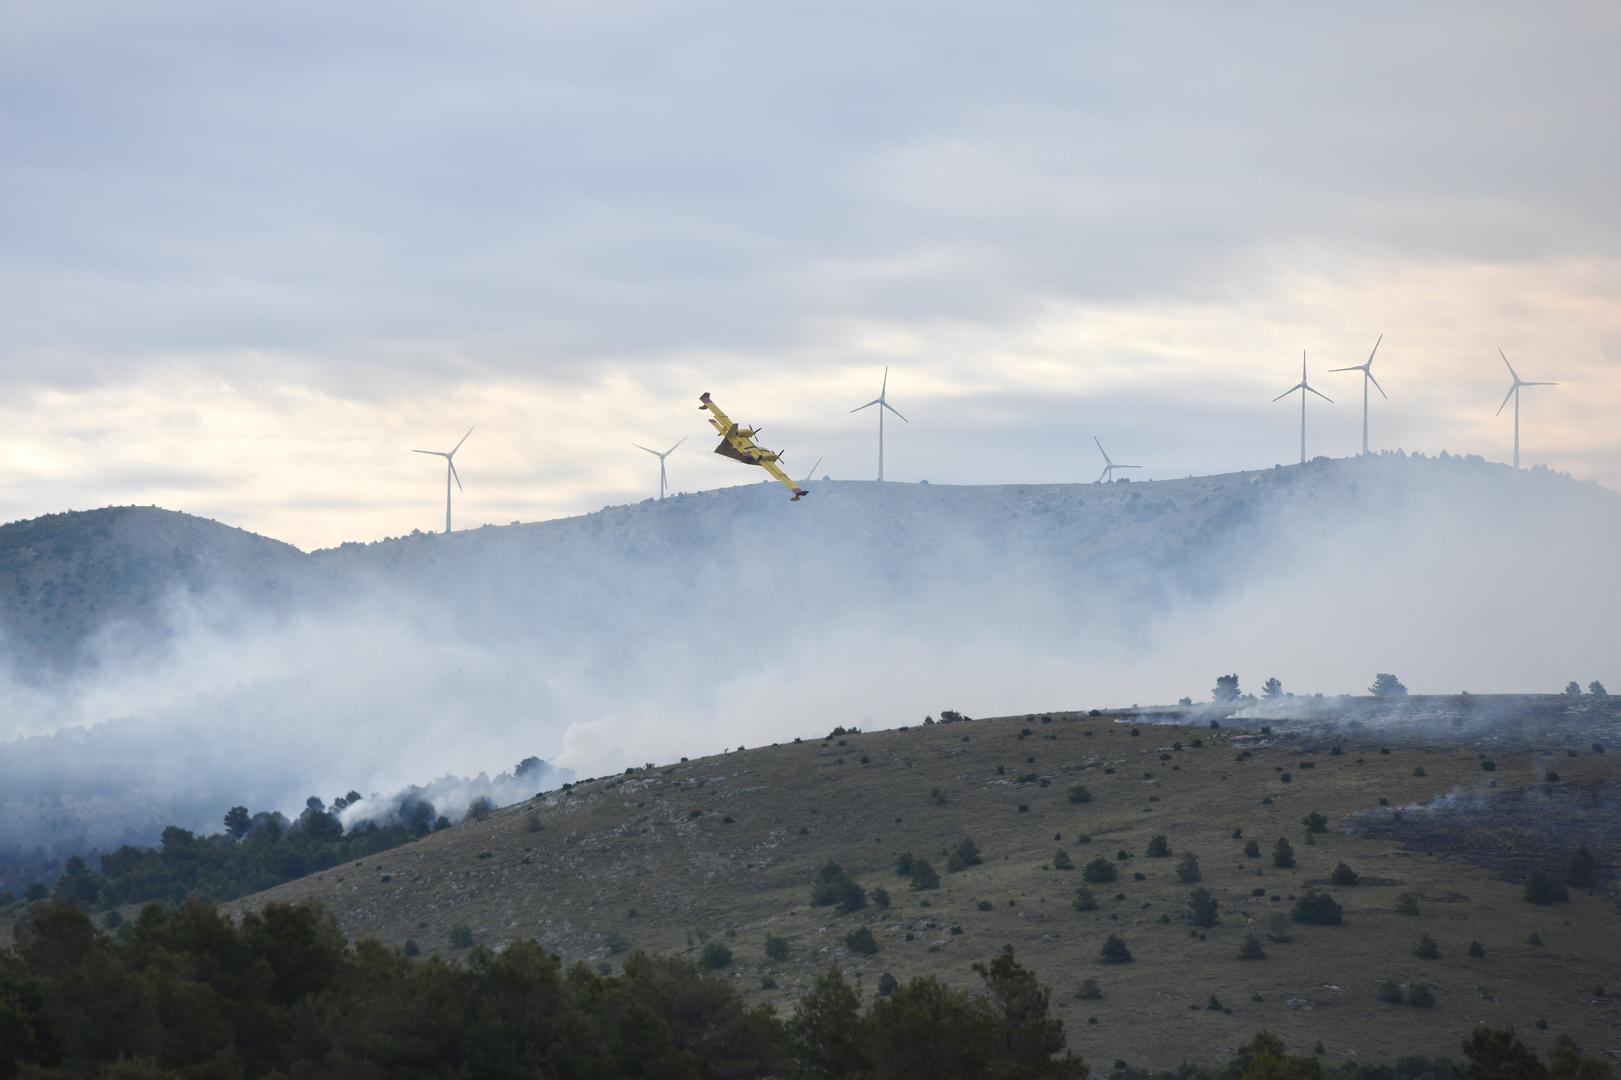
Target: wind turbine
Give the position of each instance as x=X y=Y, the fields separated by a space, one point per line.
x=1514 y=392
x=811 y=472
x=1304 y=387
x=1109 y=466
x=450 y=471
x=883 y=403
x=1367 y=377
x=662 y=482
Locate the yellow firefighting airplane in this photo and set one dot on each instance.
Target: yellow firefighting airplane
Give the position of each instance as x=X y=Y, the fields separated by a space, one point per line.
x=738 y=444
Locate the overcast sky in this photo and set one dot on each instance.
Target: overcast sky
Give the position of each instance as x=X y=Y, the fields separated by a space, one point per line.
x=252 y=254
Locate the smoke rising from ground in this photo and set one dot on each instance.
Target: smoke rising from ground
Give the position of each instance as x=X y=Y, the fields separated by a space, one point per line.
x=734 y=618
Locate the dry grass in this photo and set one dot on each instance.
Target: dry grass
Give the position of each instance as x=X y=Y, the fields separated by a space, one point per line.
x=725 y=848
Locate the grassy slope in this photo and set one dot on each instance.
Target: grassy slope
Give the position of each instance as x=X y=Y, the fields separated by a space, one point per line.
x=631 y=844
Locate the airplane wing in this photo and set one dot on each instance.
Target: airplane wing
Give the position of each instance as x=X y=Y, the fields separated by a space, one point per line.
x=739 y=445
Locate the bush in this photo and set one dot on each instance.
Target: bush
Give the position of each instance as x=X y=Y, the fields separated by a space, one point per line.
x=776 y=948
x=1062 y=861
x=714 y=957
x=964 y=855
x=887 y=984
x=985 y=905
x=1407 y=904
x=860 y=940
x=1427 y=948
x=1344 y=875
x=1315 y=822
x=461 y=937
x=480 y=808
x=1187 y=871
x=1583 y=871
x=1389 y=992
x=1283 y=854
x=1386 y=685
x=1085 y=900
x=1252 y=849
x=1159 y=847
x=1089 y=990
x=1226 y=689
x=411 y=948
x=1079 y=794
x=1202 y=908
x=1542 y=888
x=924 y=875
x=1420 y=996
x=1476 y=949
x=1100 y=871
x=903 y=864
x=532 y=822
x=1115 y=951
x=1419 y=771
x=880 y=897
x=1252 y=949
x=834 y=887
x=1317 y=909
x=1596 y=688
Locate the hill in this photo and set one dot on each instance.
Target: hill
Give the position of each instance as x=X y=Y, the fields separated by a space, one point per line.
x=727 y=849
x=255 y=674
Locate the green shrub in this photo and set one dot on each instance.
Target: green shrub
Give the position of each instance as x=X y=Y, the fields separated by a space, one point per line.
x=1079 y=794
x=880 y=897
x=1427 y=948
x=1542 y=888
x=1476 y=949
x=1315 y=822
x=834 y=887
x=1317 y=909
x=1085 y=900
x=1252 y=850
x=903 y=864
x=411 y=948
x=1089 y=990
x=1115 y=951
x=1062 y=861
x=1283 y=854
x=1420 y=997
x=887 y=984
x=714 y=957
x=1407 y=904
x=1389 y=992
x=776 y=948
x=964 y=855
x=924 y=875
x=461 y=937
x=985 y=905
x=1100 y=871
x=1202 y=908
x=1187 y=871
x=860 y=940
x=1159 y=847
x=1252 y=949
x=1344 y=875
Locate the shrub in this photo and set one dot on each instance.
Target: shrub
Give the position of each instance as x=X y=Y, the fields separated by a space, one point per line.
x=461 y=937
x=1317 y=909
x=1389 y=992
x=1062 y=861
x=1115 y=951
x=1079 y=794
x=411 y=948
x=1476 y=949
x=1314 y=822
x=1344 y=875
x=880 y=897
x=924 y=875
x=1100 y=871
x=1252 y=949
x=532 y=822
x=776 y=948
x=860 y=940
x=1419 y=771
x=964 y=855
x=887 y=984
x=1272 y=688
x=616 y=942
x=1278 y=928
x=715 y=956
x=1387 y=685
x=1089 y=990
x=1489 y=765
x=903 y=864
x=1427 y=948
x=1583 y=871
x=1283 y=854
x=1252 y=850
x=1226 y=689
x=1187 y=871
x=1420 y=996
x=480 y=808
x=1541 y=888
x=1159 y=847
x=1596 y=688
x=834 y=887
x=1407 y=904
x=1202 y=908
x=1085 y=900
x=985 y=905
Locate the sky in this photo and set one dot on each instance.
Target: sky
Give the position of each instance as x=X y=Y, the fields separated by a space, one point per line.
x=254 y=254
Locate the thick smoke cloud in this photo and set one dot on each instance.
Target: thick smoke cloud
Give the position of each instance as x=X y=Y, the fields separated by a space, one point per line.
x=734 y=618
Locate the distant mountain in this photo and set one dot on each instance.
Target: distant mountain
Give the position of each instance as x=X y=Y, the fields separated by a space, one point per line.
x=729 y=617
x=66 y=577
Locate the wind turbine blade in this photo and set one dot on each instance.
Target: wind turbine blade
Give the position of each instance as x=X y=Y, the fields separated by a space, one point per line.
x=1376 y=385
x=1128 y=466
x=811 y=472
x=1539 y=384
x=435 y=453
x=1287 y=392
x=1375 y=349
x=1353 y=367
x=1104 y=473
x=896 y=411
x=1102 y=451
x=458 y=445
x=678 y=442
x=1510 y=367
x=868 y=405
x=883 y=389
x=1506 y=396
x=456 y=474
x=639 y=446
x=1325 y=397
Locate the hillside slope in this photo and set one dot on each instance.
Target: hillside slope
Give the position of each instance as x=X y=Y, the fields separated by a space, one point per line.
x=726 y=849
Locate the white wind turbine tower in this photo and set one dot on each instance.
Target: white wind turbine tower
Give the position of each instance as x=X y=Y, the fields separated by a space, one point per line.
x=883 y=403
x=1514 y=392
x=663 y=484
x=1304 y=387
x=450 y=471
x=1367 y=377
x=1109 y=466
